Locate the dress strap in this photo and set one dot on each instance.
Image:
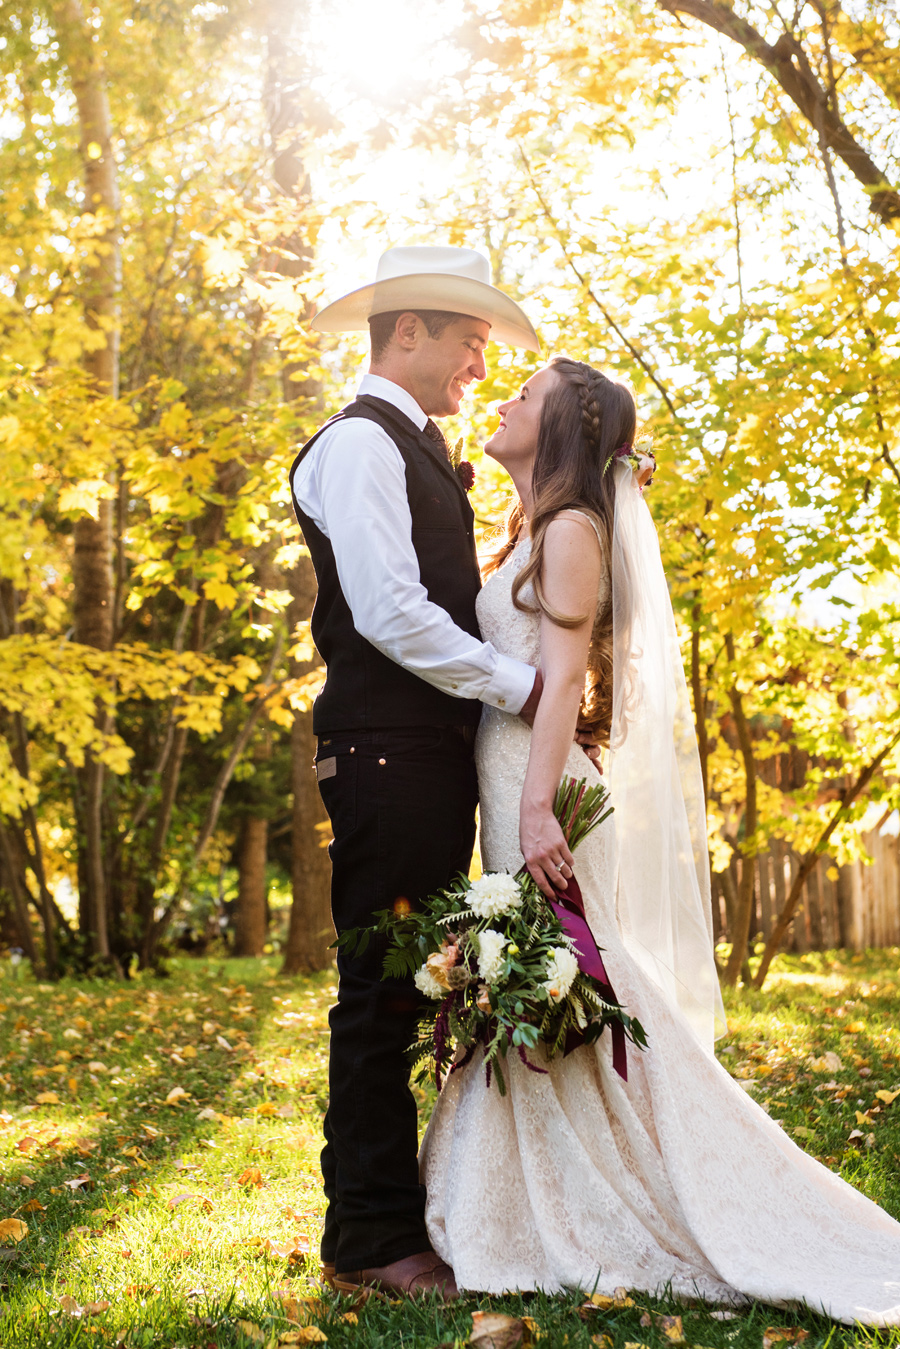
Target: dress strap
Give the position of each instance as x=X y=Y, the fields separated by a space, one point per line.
x=573 y=510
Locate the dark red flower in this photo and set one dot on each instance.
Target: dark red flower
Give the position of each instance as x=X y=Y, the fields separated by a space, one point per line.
x=466 y=474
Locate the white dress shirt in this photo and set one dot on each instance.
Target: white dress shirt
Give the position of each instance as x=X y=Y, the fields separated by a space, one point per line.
x=352 y=484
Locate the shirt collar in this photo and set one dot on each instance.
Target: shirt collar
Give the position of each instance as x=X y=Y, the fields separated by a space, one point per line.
x=379 y=387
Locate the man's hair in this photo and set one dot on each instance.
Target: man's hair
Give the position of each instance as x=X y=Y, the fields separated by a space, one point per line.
x=381 y=326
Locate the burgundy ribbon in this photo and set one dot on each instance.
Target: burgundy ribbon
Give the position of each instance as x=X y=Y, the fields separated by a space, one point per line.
x=569 y=909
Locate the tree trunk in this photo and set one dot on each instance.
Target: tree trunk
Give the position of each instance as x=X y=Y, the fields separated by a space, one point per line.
x=699 y=696
x=310 y=930
x=740 y=935
x=251 y=918
x=92 y=569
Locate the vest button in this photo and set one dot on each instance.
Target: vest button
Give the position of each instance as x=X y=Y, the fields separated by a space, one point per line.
x=382 y=761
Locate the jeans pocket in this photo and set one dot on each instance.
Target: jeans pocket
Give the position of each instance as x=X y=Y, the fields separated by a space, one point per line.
x=338 y=776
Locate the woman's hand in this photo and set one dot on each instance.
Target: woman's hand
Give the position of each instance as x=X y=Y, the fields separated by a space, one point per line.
x=544 y=847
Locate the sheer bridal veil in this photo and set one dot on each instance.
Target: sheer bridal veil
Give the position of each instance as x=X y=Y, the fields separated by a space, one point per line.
x=663 y=899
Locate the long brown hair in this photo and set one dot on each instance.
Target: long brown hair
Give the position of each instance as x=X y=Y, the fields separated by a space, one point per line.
x=585 y=419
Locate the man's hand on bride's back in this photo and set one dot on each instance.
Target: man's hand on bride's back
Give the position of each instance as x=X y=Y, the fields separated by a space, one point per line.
x=586 y=737
x=530 y=706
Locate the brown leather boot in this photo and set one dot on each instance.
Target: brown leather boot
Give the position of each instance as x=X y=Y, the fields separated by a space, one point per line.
x=327 y=1274
x=414 y=1276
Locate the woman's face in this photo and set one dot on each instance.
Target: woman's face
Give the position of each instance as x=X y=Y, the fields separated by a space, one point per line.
x=514 y=442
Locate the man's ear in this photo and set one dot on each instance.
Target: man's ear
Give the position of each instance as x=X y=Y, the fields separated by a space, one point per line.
x=406 y=330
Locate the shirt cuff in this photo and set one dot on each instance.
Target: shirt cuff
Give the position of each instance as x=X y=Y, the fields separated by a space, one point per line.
x=510 y=685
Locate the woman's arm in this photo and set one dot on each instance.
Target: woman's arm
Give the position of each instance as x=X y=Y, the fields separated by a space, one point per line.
x=571 y=583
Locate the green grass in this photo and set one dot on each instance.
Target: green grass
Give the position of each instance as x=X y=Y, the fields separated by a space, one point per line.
x=249 y=1049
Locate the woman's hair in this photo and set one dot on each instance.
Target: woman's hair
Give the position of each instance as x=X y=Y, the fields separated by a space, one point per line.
x=585 y=419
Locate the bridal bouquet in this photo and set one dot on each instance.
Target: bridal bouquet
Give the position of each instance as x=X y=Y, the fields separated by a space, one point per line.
x=505 y=968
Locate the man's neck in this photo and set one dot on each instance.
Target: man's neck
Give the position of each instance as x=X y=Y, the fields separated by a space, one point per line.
x=402 y=380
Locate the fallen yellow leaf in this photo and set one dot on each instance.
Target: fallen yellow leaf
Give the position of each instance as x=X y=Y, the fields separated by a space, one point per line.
x=829 y=1062
x=47 y=1098
x=671 y=1326
x=252 y=1331
x=177 y=1199
x=784 y=1335
x=13 y=1229
x=175 y=1095
x=887 y=1096
x=251 y=1176
x=496 y=1330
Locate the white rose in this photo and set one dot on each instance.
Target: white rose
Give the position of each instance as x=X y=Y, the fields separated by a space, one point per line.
x=561 y=969
x=494 y=894
x=491 y=946
x=426 y=983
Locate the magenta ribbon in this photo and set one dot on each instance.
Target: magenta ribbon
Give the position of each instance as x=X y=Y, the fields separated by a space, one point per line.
x=569 y=909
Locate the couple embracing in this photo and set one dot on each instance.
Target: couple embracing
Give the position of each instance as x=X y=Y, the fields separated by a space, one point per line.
x=443 y=693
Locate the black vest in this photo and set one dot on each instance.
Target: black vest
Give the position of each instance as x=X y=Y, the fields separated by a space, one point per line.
x=363 y=688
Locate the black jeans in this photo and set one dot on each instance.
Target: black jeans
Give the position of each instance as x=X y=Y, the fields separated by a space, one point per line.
x=402 y=808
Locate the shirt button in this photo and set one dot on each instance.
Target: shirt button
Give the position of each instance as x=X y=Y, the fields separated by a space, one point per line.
x=382 y=761
x=454 y=686
x=501 y=702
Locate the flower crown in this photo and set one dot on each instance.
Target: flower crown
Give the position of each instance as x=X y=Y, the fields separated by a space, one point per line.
x=631 y=454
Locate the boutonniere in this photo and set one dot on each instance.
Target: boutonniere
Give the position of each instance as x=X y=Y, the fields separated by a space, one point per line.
x=461 y=467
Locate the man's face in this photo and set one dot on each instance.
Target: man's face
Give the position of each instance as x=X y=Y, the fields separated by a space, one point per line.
x=440 y=368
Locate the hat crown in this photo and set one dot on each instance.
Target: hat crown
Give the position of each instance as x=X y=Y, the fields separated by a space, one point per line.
x=427 y=259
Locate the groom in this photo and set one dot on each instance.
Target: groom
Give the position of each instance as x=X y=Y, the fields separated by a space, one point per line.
x=390 y=531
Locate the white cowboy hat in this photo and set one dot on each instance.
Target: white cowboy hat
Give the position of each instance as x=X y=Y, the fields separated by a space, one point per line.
x=425 y=277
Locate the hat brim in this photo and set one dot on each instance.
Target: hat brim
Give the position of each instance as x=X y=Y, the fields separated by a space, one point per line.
x=430 y=290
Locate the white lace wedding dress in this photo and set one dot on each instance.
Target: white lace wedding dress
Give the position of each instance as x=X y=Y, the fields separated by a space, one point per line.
x=677 y=1177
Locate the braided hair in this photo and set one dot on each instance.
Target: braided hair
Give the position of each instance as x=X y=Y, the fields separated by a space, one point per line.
x=585 y=419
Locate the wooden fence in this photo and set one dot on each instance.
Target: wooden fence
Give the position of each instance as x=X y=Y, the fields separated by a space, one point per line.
x=853 y=906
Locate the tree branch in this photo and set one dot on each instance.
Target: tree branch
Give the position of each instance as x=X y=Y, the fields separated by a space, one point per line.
x=787 y=63
x=626 y=342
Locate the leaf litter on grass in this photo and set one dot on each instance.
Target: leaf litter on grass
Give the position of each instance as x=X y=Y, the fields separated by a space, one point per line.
x=263 y=1096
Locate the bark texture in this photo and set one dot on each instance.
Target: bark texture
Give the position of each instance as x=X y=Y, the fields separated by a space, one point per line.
x=745 y=893
x=251 y=917
x=92 y=560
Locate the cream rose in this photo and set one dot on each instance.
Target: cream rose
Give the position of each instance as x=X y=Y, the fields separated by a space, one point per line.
x=561 y=968
x=494 y=894
x=491 y=948
x=426 y=983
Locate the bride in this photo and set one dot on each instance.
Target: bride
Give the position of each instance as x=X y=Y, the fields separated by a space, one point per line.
x=674 y=1178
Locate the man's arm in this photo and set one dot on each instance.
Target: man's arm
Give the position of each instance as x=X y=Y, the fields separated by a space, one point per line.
x=355 y=490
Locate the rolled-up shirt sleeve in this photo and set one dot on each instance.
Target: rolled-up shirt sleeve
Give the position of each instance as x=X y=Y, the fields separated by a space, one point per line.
x=362 y=507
